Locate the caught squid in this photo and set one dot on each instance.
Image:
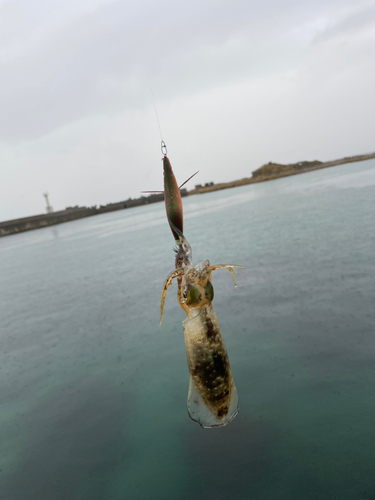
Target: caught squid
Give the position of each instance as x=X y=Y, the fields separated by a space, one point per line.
x=212 y=397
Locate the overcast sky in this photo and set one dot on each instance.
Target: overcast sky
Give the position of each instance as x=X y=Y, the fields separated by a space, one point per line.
x=237 y=83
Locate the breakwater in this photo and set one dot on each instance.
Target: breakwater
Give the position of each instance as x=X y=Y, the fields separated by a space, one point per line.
x=72 y=213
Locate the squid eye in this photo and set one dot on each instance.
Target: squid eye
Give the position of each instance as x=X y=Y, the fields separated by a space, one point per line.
x=209 y=291
x=192 y=295
x=184 y=294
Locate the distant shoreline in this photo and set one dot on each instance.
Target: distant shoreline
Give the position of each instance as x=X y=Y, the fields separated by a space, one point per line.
x=276 y=170
x=265 y=173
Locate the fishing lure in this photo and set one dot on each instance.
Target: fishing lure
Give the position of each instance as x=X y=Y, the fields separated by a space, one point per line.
x=212 y=397
x=172 y=198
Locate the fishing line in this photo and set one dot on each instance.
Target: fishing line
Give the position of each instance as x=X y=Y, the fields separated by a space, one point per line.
x=156 y=113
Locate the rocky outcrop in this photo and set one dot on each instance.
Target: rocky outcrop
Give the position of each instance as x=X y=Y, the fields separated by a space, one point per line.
x=276 y=169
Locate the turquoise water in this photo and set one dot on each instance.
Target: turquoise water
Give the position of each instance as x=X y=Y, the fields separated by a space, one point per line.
x=93 y=392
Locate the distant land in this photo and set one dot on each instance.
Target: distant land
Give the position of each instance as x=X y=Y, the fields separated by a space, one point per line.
x=267 y=172
x=275 y=170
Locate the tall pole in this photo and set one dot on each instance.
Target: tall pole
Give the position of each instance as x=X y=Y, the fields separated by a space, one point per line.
x=49 y=209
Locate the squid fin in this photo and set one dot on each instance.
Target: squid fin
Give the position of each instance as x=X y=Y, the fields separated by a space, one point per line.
x=201 y=413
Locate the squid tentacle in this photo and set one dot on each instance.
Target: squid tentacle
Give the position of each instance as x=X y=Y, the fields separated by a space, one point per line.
x=168 y=281
x=224 y=266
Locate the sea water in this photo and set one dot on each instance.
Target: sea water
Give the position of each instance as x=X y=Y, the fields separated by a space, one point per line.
x=93 y=392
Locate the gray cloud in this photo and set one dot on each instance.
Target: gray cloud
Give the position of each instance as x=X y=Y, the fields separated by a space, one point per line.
x=351 y=22
x=99 y=62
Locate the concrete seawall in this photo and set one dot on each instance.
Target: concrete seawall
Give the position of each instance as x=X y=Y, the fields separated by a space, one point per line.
x=72 y=213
